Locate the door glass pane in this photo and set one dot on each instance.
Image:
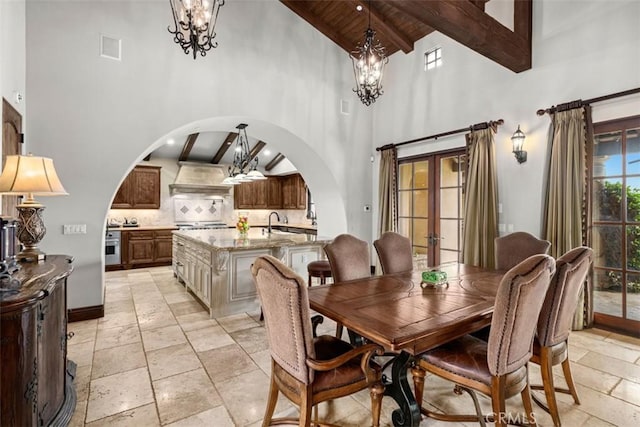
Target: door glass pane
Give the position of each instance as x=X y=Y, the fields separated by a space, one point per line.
x=633 y=296
x=633 y=151
x=449 y=202
x=449 y=234
x=607 y=289
x=404 y=203
x=607 y=244
x=406 y=173
x=607 y=199
x=607 y=154
x=420 y=203
x=449 y=167
x=448 y=256
x=633 y=247
x=404 y=226
x=421 y=174
x=633 y=199
x=420 y=232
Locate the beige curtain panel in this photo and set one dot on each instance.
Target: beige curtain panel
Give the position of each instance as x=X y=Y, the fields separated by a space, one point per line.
x=481 y=200
x=565 y=210
x=387 y=189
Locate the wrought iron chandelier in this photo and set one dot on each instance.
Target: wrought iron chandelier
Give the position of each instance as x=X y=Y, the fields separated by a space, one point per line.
x=244 y=167
x=194 y=23
x=369 y=60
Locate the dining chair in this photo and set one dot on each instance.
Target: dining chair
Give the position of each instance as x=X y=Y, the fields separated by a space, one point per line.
x=516 y=247
x=394 y=253
x=497 y=368
x=305 y=369
x=349 y=260
x=554 y=325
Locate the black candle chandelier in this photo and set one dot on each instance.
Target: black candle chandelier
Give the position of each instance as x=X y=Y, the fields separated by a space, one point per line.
x=244 y=167
x=369 y=60
x=194 y=24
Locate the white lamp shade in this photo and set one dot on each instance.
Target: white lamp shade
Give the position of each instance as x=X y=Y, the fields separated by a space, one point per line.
x=30 y=175
x=255 y=174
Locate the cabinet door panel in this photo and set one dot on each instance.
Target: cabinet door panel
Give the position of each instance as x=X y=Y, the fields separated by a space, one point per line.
x=123 y=199
x=140 y=251
x=146 y=188
x=163 y=250
x=274 y=193
x=51 y=354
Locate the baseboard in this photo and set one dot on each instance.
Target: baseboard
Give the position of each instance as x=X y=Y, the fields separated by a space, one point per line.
x=85 y=313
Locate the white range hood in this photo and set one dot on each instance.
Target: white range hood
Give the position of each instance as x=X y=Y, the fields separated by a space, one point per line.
x=200 y=178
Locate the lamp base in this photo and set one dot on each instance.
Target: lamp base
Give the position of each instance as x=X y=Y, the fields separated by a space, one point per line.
x=30 y=231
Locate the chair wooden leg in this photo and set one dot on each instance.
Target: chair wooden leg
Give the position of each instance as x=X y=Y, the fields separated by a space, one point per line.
x=498 y=401
x=418 y=375
x=546 y=370
x=271 y=402
x=339 y=329
x=376 y=392
x=528 y=406
x=566 y=368
x=306 y=407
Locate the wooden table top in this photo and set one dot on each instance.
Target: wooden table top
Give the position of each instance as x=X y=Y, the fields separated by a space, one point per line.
x=397 y=313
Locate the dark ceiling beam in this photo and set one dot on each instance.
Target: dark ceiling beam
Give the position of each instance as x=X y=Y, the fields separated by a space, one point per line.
x=273 y=162
x=465 y=23
x=188 y=145
x=302 y=9
x=380 y=24
x=479 y=3
x=255 y=150
x=224 y=147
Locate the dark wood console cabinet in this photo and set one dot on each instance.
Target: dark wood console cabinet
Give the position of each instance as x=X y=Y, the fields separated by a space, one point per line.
x=36 y=380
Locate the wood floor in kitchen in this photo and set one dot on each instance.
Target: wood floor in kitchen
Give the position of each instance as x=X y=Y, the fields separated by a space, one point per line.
x=156 y=359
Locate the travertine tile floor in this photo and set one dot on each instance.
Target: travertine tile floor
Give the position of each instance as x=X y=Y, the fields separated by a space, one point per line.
x=156 y=359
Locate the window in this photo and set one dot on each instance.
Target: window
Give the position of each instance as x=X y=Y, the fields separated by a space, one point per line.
x=433 y=59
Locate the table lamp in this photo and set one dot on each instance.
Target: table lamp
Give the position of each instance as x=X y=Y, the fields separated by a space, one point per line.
x=28 y=176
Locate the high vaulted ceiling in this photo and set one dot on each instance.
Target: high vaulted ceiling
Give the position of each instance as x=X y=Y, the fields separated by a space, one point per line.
x=400 y=23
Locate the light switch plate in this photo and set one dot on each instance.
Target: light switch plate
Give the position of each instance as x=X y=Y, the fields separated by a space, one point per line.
x=74 y=229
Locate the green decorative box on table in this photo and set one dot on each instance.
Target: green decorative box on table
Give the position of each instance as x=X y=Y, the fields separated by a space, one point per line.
x=433 y=278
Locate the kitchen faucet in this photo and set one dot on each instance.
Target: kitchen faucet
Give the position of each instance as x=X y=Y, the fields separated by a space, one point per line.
x=278 y=218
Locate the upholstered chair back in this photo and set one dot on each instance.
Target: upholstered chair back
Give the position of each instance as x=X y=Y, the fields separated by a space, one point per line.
x=394 y=253
x=516 y=247
x=518 y=302
x=285 y=303
x=556 y=317
x=348 y=257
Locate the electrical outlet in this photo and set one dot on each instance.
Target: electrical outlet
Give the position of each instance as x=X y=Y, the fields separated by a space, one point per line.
x=502 y=228
x=510 y=228
x=74 y=229
x=304 y=258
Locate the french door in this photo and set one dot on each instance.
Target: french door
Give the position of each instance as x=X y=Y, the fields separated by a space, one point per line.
x=615 y=213
x=430 y=205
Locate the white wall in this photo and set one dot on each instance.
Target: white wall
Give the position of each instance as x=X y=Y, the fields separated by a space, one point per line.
x=12 y=54
x=98 y=117
x=580 y=50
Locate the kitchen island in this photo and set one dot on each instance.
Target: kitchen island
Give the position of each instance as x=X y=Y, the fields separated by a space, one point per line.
x=215 y=265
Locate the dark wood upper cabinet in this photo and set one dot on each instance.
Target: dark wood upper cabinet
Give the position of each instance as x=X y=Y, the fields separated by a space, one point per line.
x=139 y=190
x=287 y=192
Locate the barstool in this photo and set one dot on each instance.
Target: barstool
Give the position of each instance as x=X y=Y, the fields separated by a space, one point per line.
x=320 y=269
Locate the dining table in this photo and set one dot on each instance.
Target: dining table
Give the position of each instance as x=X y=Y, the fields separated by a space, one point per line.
x=408 y=317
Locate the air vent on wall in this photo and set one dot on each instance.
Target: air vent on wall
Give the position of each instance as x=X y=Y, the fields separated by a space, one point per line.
x=345 y=107
x=110 y=47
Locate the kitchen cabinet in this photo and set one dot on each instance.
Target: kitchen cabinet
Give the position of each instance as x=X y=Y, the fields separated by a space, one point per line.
x=294 y=192
x=36 y=380
x=146 y=248
x=288 y=192
x=139 y=190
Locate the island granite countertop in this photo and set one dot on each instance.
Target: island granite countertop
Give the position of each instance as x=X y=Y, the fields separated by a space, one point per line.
x=230 y=239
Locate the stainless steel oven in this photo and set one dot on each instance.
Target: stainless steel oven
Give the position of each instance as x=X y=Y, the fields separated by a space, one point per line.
x=112 y=248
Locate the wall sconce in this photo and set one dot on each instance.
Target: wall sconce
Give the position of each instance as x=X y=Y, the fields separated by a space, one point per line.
x=518 y=141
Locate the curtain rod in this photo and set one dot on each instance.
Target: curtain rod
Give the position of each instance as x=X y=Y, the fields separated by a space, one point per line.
x=579 y=103
x=484 y=125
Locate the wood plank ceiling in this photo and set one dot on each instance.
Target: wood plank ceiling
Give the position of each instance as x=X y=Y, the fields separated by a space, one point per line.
x=399 y=24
